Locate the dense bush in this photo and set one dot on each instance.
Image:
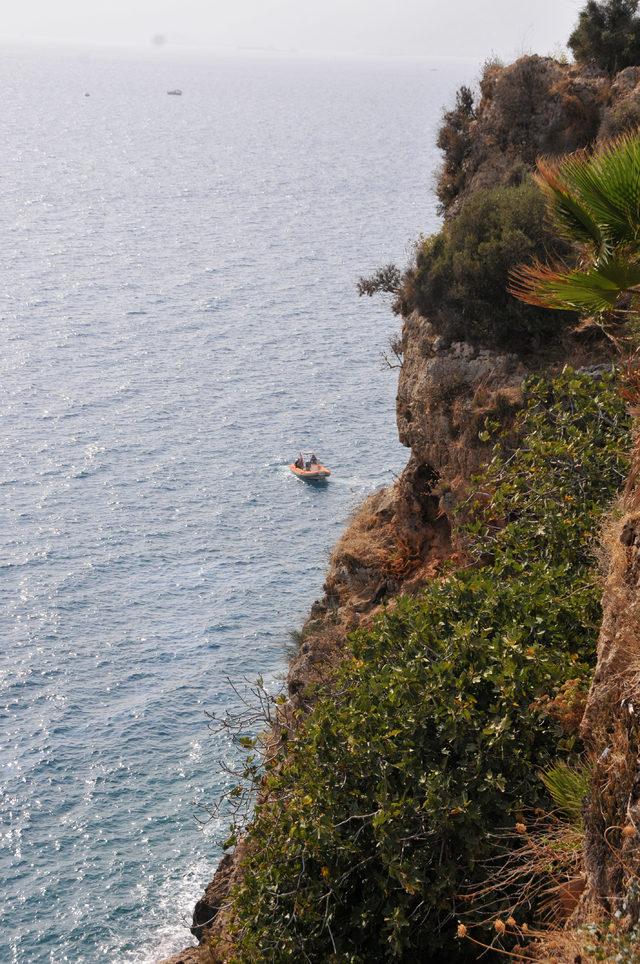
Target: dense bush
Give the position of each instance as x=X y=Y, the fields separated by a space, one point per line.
x=608 y=34
x=432 y=735
x=460 y=275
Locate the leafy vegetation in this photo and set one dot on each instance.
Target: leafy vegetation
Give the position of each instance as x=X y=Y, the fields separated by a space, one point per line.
x=454 y=140
x=538 y=870
x=387 y=279
x=375 y=814
x=607 y=34
x=594 y=201
x=460 y=276
x=568 y=787
x=604 y=944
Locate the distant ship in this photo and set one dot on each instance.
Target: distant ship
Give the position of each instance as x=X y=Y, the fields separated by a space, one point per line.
x=175 y=93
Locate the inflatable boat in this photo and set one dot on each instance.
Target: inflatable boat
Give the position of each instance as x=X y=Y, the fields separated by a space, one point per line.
x=309 y=469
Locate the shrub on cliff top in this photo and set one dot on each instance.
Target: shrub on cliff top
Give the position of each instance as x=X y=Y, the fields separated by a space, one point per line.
x=532 y=107
x=607 y=34
x=460 y=276
x=455 y=140
x=432 y=735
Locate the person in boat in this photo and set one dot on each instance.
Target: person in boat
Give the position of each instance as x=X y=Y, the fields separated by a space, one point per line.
x=299 y=462
x=313 y=460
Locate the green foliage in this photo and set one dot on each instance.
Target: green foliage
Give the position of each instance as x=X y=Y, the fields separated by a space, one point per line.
x=607 y=34
x=560 y=477
x=387 y=280
x=594 y=198
x=619 y=946
x=380 y=810
x=454 y=140
x=461 y=274
x=594 y=201
x=568 y=788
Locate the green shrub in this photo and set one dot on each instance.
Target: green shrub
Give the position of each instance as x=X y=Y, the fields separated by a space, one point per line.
x=461 y=274
x=454 y=140
x=619 y=946
x=380 y=811
x=607 y=34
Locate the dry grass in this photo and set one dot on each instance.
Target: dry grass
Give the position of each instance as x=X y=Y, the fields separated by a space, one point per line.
x=561 y=947
x=371 y=541
x=541 y=864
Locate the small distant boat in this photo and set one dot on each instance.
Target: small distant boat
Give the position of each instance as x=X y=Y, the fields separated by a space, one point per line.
x=175 y=93
x=309 y=469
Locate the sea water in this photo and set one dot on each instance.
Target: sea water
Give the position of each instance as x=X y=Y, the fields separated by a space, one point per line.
x=178 y=318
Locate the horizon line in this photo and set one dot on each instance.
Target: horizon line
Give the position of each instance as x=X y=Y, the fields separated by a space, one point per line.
x=247 y=49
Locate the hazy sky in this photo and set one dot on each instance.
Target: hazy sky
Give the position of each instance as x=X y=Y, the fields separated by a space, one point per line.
x=469 y=28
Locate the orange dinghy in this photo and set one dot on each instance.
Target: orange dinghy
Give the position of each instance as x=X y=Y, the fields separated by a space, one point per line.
x=308 y=468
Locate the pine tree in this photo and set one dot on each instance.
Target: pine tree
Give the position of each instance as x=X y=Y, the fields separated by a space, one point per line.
x=607 y=34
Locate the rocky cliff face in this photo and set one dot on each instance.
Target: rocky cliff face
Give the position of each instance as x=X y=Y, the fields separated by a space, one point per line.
x=445 y=392
x=536 y=106
x=611 y=730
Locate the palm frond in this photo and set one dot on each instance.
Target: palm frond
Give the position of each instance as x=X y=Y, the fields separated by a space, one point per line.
x=571 y=217
x=594 y=290
x=607 y=185
x=568 y=787
x=594 y=201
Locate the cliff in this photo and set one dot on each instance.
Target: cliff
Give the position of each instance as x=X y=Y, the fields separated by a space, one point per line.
x=534 y=107
x=611 y=730
x=463 y=382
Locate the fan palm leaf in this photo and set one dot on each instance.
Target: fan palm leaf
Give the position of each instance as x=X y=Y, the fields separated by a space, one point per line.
x=571 y=217
x=594 y=290
x=568 y=787
x=608 y=185
x=594 y=201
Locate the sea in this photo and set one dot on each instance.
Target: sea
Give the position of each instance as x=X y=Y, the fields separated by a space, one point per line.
x=178 y=317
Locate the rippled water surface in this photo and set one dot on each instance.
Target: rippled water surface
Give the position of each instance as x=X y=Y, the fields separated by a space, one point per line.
x=178 y=317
